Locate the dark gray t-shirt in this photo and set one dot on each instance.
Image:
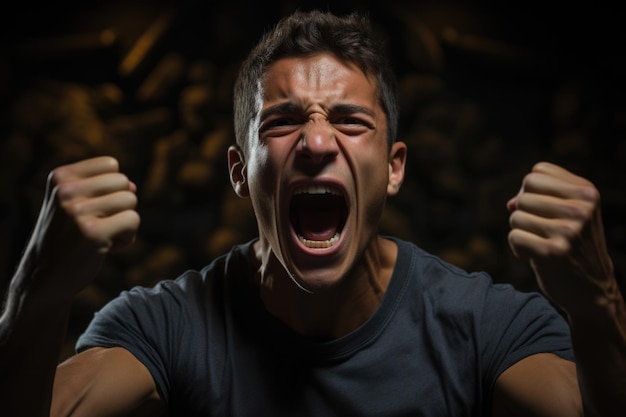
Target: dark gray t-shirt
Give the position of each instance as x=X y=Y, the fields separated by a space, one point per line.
x=434 y=347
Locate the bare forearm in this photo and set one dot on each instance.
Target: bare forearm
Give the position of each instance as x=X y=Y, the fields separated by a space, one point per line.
x=31 y=336
x=88 y=211
x=600 y=349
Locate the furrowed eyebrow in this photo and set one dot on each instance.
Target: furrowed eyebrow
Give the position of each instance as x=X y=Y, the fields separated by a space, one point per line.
x=353 y=108
x=278 y=109
x=290 y=108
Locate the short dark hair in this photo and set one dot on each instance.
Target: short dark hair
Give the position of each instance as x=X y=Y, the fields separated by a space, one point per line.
x=351 y=38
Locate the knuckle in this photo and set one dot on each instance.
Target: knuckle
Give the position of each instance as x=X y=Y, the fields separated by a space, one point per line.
x=132 y=199
x=89 y=227
x=135 y=216
x=511 y=238
x=591 y=193
x=528 y=178
x=513 y=219
x=133 y=219
x=523 y=201
x=73 y=208
x=55 y=178
x=64 y=191
x=539 y=166
x=123 y=200
x=112 y=163
x=557 y=247
x=516 y=245
x=582 y=211
x=569 y=230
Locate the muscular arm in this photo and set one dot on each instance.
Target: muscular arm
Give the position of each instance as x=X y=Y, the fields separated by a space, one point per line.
x=88 y=211
x=104 y=382
x=541 y=385
x=557 y=227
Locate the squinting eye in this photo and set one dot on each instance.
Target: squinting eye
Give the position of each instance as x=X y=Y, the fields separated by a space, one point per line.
x=282 y=125
x=278 y=123
x=352 y=125
x=349 y=121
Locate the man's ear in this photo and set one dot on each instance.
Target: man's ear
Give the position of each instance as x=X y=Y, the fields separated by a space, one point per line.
x=397 y=162
x=237 y=170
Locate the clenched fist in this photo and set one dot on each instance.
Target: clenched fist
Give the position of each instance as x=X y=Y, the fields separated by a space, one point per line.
x=87 y=212
x=556 y=224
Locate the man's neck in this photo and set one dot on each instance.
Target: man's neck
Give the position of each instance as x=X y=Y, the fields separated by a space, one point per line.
x=333 y=312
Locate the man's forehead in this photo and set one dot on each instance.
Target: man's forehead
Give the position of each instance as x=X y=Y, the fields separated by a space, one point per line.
x=317 y=77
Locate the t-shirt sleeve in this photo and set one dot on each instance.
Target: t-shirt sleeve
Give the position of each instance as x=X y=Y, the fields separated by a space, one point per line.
x=141 y=321
x=524 y=325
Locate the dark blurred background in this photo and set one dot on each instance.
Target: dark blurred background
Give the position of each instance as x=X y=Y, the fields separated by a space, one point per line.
x=485 y=93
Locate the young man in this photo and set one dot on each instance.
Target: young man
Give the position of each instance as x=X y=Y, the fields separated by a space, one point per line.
x=320 y=315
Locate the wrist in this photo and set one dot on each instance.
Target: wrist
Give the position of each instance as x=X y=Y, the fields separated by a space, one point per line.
x=34 y=288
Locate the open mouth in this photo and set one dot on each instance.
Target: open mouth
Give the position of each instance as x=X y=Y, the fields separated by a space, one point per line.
x=318 y=214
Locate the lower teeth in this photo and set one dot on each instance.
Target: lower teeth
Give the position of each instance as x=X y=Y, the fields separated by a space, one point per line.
x=319 y=244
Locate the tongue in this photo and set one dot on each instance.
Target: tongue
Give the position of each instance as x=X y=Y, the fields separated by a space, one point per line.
x=317 y=223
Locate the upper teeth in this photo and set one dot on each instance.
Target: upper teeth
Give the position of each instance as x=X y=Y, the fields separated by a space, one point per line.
x=317 y=189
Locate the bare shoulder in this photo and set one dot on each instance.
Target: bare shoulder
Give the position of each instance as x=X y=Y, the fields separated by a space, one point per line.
x=543 y=384
x=104 y=381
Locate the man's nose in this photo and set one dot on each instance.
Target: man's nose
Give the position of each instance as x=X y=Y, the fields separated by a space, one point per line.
x=318 y=142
